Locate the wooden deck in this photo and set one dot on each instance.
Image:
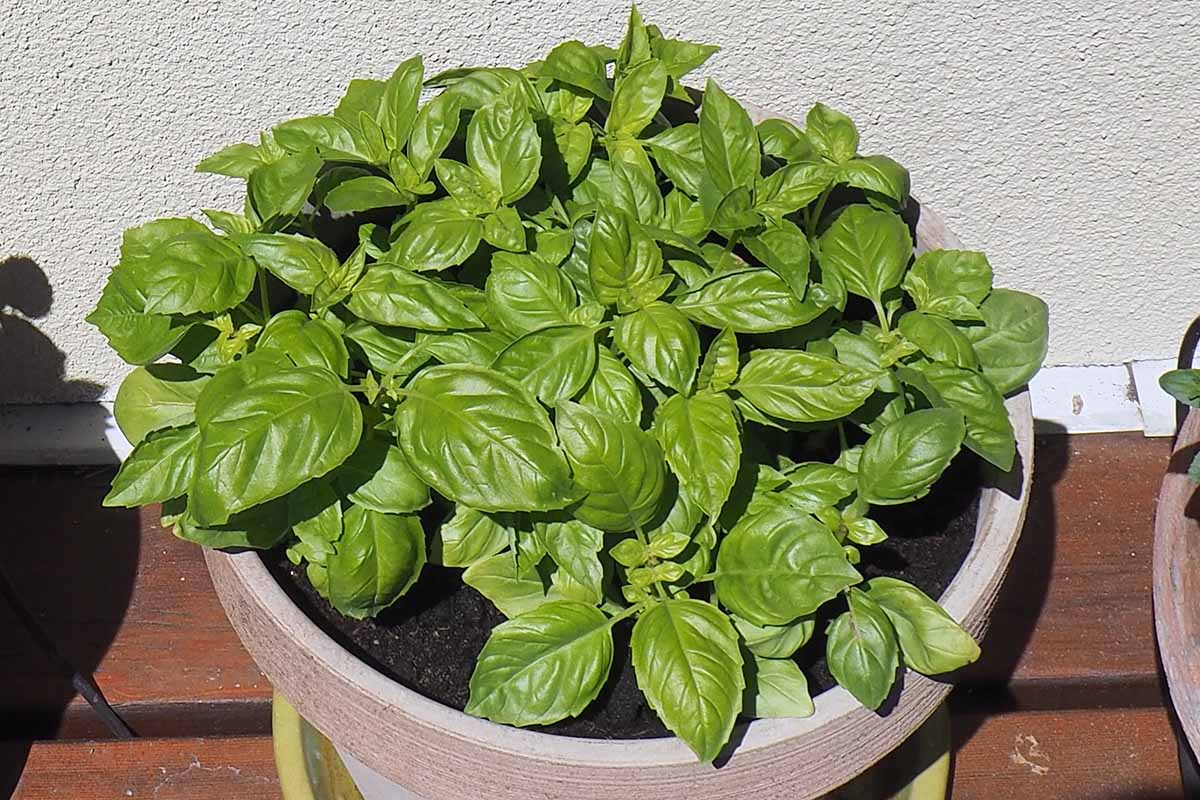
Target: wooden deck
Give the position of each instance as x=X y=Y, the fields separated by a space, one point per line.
x=1066 y=703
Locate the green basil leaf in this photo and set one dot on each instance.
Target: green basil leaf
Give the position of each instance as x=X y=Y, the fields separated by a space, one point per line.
x=525 y=293
x=400 y=98
x=869 y=248
x=634 y=184
x=228 y=221
x=776 y=688
x=503 y=229
x=575 y=549
x=335 y=139
x=802 y=387
x=689 y=667
x=746 y=301
x=775 y=641
x=783 y=249
x=363 y=96
x=576 y=64
x=433 y=129
x=469 y=536
x=477 y=87
x=503 y=144
x=315 y=514
x=553 y=363
x=776 y=565
x=783 y=140
x=939 y=339
x=832 y=133
x=376 y=476
x=931 y=641
x=543 y=666
x=814 y=486
x=1012 y=342
x=392 y=295
x=1182 y=384
x=138 y=337
x=702 y=443
x=862 y=652
x=439 y=235
x=278 y=431
x=728 y=139
x=612 y=389
x=792 y=188
x=156 y=397
x=680 y=156
x=306 y=342
x=876 y=174
x=160 y=467
x=574 y=143
x=480 y=439
x=637 y=99
x=236 y=161
x=260 y=528
x=660 y=342
x=513 y=592
x=280 y=188
x=379 y=557
x=635 y=46
x=619 y=464
x=902 y=460
x=364 y=194
x=621 y=255
x=307 y=265
x=194 y=273
x=989 y=428
x=942 y=279
x=478 y=348
x=678 y=56
x=470 y=189
x=386 y=350
x=720 y=366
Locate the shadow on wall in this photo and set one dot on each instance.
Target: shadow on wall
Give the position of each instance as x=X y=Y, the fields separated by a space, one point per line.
x=70 y=563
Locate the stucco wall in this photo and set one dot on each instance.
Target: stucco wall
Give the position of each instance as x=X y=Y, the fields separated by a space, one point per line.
x=1062 y=138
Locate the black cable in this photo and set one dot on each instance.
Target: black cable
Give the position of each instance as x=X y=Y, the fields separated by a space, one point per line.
x=83 y=683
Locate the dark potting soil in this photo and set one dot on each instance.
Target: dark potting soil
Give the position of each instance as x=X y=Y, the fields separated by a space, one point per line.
x=429 y=640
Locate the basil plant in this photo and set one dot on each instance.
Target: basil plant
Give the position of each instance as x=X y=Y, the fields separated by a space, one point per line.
x=1184 y=386
x=618 y=356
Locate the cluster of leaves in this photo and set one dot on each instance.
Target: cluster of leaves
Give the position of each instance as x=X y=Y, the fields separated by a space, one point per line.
x=616 y=356
x=1184 y=386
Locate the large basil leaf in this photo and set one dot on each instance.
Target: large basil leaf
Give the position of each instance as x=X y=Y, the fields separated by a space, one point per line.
x=378 y=559
x=619 y=464
x=638 y=96
x=612 y=389
x=363 y=194
x=989 y=429
x=792 y=188
x=280 y=188
x=877 y=174
x=634 y=184
x=776 y=565
x=439 y=235
x=503 y=144
x=332 y=137
x=939 y=339
x=261 y=527
x=400 y=98
x=660 y=342
x=159 y=468
x=902 y=460
x=621 y=255
x=543 y=666
x=433 y=130
x=1012 y=342
x=703 y=445
x=470 y=535
x=746 y=301
x=777 y=688
x=155 y=397
x=862 y=652
x=728 y=140
x=815 y=485
x=553 y=363
x=802 y=387
x=526 y=293
x=480 y=439
x=931 y=641
x=138 y=337
x=278 y=431
x=194 y=273
x=392 y=295
x=689 y=667
x=385 y=349
x=783 y=248
x=869 y=248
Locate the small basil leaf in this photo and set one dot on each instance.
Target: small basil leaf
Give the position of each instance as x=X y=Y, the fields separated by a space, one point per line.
x=160 y=468
x=576 y=64
x=526 y=293
x=989 y=429
x=939 y=339
x=702 y=443
x=503 y=144
x=392 y=295
x=399 y=104
x=363 y=194
x=902 y=460
x=832 y=133
x=877 y=174
x=783 y=140
x=862 y=651
x=775 y=641
x=728 y=140
x=379 y=557
x=612 y=389
x=659 y=341
x=469 y=536
x=802 y=387
x=931 y=641
x=776 y=688
x=637 y=99
x=156 y=397
x=621 y=255
x=514 y=592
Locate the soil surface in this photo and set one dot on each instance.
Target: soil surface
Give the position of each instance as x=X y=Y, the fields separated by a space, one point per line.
x=429 y=640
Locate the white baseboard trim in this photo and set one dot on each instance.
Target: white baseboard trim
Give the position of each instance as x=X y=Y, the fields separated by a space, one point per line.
x=1066 y=399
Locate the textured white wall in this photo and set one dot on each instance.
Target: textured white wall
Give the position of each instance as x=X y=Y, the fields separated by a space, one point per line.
x=1061 y=138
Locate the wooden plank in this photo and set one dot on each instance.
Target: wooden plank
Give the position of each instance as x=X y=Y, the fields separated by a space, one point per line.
x=1109 y=754
x=121 y=597
x=1073 y=626
x=163 y=769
